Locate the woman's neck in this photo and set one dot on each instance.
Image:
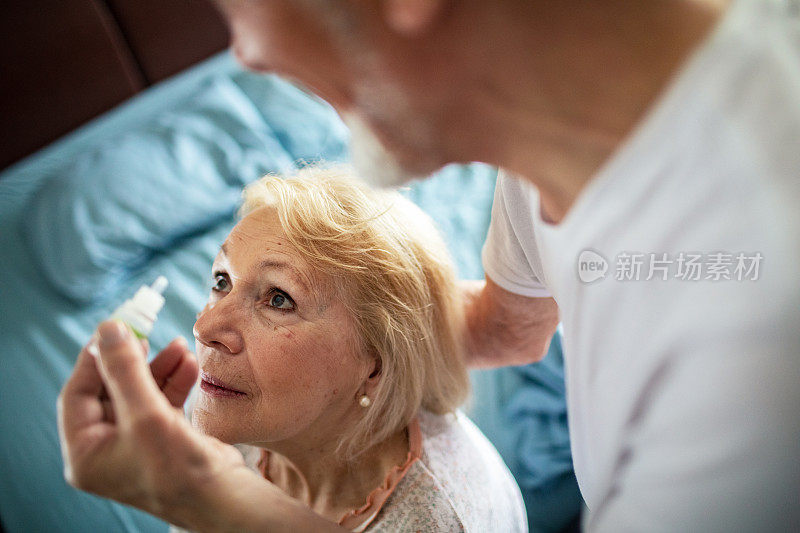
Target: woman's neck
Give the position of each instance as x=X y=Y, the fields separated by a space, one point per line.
x=323 y=480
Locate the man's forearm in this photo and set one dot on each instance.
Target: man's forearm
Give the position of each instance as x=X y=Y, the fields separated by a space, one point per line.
x=243 y=501
x=504 y=328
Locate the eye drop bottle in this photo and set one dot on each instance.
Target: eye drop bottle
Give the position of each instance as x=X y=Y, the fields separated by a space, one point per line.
x=140 y=312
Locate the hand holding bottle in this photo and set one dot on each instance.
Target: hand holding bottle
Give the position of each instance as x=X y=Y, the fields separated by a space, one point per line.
x=132 y=444
x=123 y=432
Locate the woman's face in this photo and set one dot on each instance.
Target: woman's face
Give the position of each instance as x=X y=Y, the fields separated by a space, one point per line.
x=278 y=352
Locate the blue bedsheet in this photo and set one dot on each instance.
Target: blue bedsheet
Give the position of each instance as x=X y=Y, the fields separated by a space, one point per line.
x=63 y=272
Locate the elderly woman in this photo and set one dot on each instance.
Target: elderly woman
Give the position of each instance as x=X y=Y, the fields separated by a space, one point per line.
x=330 y=346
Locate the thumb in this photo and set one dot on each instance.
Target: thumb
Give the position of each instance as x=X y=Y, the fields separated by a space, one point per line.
x=125 y=371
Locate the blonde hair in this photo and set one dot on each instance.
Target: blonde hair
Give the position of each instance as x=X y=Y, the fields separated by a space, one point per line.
x=386 y=256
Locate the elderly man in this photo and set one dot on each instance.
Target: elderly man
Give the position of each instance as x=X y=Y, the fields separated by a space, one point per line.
x=649 y=189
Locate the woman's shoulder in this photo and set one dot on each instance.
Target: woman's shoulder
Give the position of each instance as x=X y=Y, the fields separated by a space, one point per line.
x=453 y=447
x=418 y=504
x=459 y=483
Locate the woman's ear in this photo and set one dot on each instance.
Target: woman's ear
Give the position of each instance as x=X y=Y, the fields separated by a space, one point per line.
x=412 y=17
x=374 y=377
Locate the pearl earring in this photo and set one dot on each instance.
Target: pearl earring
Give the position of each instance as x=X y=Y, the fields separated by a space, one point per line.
x=364 y=401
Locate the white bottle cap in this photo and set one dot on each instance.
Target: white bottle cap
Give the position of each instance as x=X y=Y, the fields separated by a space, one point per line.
x=148 y=300
x=140 y=312
x=160 y=284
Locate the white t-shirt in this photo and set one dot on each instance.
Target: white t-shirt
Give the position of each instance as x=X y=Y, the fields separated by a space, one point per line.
x=683 y=394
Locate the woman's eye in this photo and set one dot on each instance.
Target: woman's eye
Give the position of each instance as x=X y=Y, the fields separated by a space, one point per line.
x=220 y=283
x=280 y=300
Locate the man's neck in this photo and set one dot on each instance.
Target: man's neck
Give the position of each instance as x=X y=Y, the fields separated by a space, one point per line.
x=556 y=112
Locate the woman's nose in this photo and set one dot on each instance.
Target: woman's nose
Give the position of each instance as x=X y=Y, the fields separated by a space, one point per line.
x=217 y=327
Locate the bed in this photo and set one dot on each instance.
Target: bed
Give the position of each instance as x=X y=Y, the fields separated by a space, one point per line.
x=151 y=189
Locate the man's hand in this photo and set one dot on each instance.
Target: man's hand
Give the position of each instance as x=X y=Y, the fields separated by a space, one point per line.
x=123 y=434
x=504 y=328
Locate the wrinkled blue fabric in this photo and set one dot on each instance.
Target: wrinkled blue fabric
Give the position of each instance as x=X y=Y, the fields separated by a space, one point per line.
x=537 y=410
x=105 y=214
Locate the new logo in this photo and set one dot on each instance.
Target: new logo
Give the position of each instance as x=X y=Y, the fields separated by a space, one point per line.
x=591 y=266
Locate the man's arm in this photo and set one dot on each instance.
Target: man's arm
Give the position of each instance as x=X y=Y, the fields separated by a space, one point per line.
x=240 y=501
x=504 y=328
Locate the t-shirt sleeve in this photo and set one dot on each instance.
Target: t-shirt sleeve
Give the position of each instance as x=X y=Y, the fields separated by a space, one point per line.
x=509 y=248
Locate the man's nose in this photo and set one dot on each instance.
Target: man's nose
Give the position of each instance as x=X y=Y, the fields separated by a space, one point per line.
x=247 y=56
x=218 y=327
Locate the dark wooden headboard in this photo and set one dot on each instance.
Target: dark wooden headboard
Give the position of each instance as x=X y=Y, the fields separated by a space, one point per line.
x=63 y=62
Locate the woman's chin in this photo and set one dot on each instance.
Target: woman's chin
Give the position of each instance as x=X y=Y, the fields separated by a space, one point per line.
x=214 y=426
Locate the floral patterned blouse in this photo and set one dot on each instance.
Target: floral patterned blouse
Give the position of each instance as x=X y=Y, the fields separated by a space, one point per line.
x=452 y=480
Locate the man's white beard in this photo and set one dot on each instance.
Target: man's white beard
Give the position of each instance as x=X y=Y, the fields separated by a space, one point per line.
x=373 y=163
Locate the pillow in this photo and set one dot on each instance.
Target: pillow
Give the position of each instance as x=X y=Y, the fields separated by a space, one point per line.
x=103 y=215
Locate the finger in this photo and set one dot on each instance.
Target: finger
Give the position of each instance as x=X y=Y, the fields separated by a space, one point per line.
x=131 y=386
x=175 y=370
x=79 y=402
x=180 y=383
x=108 y=410
x=92 y=347
x=168 y=360
x=85 y=377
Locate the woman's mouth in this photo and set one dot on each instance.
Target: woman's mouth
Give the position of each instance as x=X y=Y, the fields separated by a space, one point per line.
x=217 y=388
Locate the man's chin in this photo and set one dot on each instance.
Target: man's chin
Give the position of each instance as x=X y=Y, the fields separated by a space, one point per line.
x=373 y=162
x=385 y=175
